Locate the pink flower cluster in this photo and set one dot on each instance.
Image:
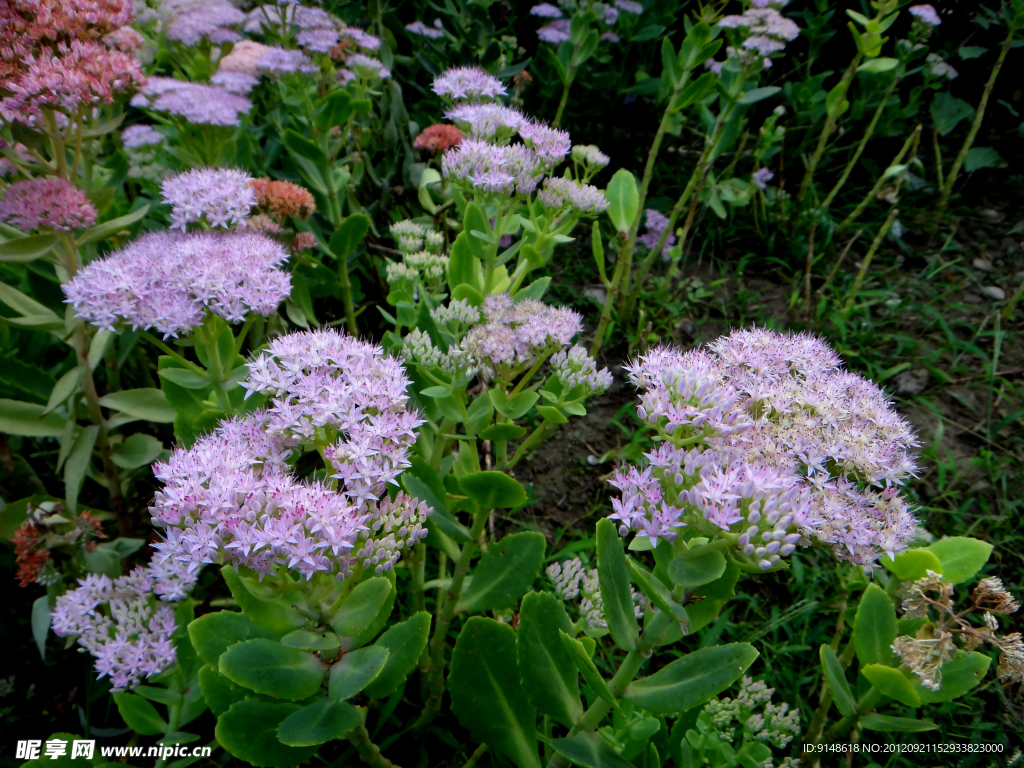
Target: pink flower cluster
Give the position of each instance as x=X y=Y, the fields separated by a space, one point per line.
x=218 y=196
x=47 y=203
x=121 y=623
x=232 y=496
x=655 y=222
x=63 y=55
x=210 y=20
x=559 y=193
x=468 y=84
x=515 y=333
x=768 y=31
x=768 y=443
x=169 y=281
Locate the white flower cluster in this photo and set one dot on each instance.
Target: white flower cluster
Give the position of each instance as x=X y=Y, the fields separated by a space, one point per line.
x=576 y=368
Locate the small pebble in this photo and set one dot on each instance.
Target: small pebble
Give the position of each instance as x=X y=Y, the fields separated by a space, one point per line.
x=993 y=292
x=592 y=460
x=982 y=265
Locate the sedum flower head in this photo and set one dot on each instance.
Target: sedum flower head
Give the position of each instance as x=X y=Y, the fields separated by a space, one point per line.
x=546 y=11
x=233 y=497
x=317 y=40
x=590 y=155
x=46 y=203
x=422 y=30
x=438 y=138
x=467 y=84
x=926 y=13
x=216 y=196
x=195 y=102
x=168 y=281
x=121 y=623
x=514 y=334
x=556 y=33
x=768 y=444
x=283 y=198
x=768 y=31
x=576 y=368
x=655 y=224
x=559 y=193
x=487 y=122
x=235 y=82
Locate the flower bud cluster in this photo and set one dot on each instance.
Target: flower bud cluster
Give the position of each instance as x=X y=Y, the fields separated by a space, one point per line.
x=142 y=145
x=768 y=444
x=576 y=368
x=571 y=581
x=399 y=524
x=515 y=333
x=736 y=717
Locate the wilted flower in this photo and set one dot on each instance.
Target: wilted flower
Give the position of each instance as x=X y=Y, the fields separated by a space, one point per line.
x=438 y=138
x=282 y=198
x=168 y=281
x=47 y=203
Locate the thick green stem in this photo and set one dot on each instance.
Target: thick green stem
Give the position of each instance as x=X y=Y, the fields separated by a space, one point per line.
x=346 y=296
x=865 y=705
x=976 y=125
x=444 y=619
x=910 y=143
x=528 y=444
x=565 y=98
x=826 y=132
x=868 y=133
x=867 y=261
x=625 y=260
x=369 y=753
x=477 y=754
x=80 y=344
x=417 y=571
x=173 y=717
x=622 y=678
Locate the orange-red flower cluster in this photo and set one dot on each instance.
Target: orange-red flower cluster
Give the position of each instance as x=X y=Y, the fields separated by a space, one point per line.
x=303 y=241
x=438 y=138
x=282 y=198
x=29 y=555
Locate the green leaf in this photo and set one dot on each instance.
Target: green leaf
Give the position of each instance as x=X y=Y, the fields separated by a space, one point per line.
x=696 y=567
x=912 y=564
x=36 y=322
x=713 y=596
x=136 y=450
x=277 y=616
x=693 y=679
x=982 y=157
x=108 y=228
x=503 y=431
x=656 y=592
x=356 y=670
x=41 y=623
x=442 y=518
x=248 y=731
x=139 y=715
x=947 y=111
x=183 y=377
x=513 y=407
x=505 y=572
x=462 y=264
x=474 y=220
x=29 y=420
x=469 y=294
x=587 y=668
x=493 y=490
x=24 y=305
x=971 y=51
x=887 y=723
x=320 y=722
x=311 y=641
x=881 y=64
x=959 y=676
x=219 y=692
x=596 y=244
x=348 y=235
x=405 y=642
x=623 y=200
x=266 y=666
x=961 y=557
x=29 y=248
x=214 y=633
x=874 y=629
x=487 y=695
x=892 y=683
x=361 y=607
x=66 y=386
x=590 y=751
x=755 y=95
x=76 y=466
x=335 y=109
x=146 y=403
x=613 y=574
x=836 y=677
x=547 y=668
x=551 y=414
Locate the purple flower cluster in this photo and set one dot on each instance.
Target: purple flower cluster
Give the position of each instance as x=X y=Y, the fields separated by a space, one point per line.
x=926 y=14
x=493 y=168
x=487 y=122
x=232 y=497
x=362 y=38
x=135 y=136
x=768 y=443
x=655 y=222
x=559 y=193
x=469 y=84
x=575 y=368
x=761 y=177
x=556 y=33
x=121 y=624
x=195 y=102
x=421 y=29
x=210 y=20
x=515 y=333
x=235 y=82
x=216 y=196
x=279 y=61
x=768 y=31
x=318 y=40
x=169 y=281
